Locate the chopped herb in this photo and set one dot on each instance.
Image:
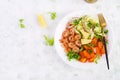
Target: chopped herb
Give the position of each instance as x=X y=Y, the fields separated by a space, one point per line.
x=72 y=55
x=82 y=36
x=81 y=49
x=91 y=45
x=89 y=37
x=53 y=15
x=96 y=59
x=105 y=31
x=21 y=20
x=89 y=51
x=76 y=22
x=97 y=24
x=106 y=41
x=98 y=36
x=49 y=41
x=21 y=23
x=80 y=18
x=89 y=24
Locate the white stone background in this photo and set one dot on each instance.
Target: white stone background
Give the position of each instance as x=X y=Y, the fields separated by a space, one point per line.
x=23 y=53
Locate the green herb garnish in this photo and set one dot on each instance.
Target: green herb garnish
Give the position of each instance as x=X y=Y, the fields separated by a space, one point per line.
x=21 y=20
x=98 y=36
x=72 y=55
x=89 y=24
x=21 y=23
x=97 y=24
x=91 y=45
x=53 y=15
x=81 y=49
x=89 y=51
x=105 y=31
x=49 y=41
x=106 y=41
x=89 y=37
x=96 y=59
x=76 y=22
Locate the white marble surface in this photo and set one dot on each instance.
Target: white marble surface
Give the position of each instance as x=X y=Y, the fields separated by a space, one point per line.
x=23 y=53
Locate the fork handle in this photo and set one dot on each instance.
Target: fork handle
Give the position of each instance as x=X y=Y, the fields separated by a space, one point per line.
x=106 y=54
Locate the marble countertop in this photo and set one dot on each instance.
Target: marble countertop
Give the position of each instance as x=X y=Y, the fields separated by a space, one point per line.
x=23 y=53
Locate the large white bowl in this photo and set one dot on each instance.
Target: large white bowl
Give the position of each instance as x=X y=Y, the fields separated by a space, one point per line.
x=60 y=49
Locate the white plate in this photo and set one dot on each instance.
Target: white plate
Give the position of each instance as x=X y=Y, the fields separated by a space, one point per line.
x=60 y=49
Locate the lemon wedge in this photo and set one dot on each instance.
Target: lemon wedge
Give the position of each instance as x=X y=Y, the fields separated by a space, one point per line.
x=42 y=20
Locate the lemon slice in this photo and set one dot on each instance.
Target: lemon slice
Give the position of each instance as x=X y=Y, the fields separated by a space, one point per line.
x=42 y=20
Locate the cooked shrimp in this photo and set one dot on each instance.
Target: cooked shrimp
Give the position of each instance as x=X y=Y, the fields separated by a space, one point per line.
x=71 y=45
x=65 y=33
x=64 y=45
x=67 y=50
x=75 y=49
x=72 y=31
x=64 y=40
x=77 y=37
x=78 y=43
x=69 y=25
x=71 y=38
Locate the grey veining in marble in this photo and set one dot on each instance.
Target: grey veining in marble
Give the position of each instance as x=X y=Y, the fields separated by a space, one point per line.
x=23 y=53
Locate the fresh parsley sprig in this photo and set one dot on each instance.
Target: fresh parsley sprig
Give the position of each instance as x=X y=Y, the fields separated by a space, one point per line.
x=72 y=55
x=53 y=15
x=21 y=23
x=49 y=41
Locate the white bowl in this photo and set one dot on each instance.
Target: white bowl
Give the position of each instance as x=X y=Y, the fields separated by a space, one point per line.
x=60 y=49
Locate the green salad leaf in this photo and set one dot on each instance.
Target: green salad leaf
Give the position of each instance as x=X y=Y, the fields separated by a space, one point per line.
x=49 y=41
x=72 y=55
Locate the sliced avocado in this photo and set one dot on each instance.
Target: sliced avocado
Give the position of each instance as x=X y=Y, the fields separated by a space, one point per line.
x=85 y=41
x=85 y=34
